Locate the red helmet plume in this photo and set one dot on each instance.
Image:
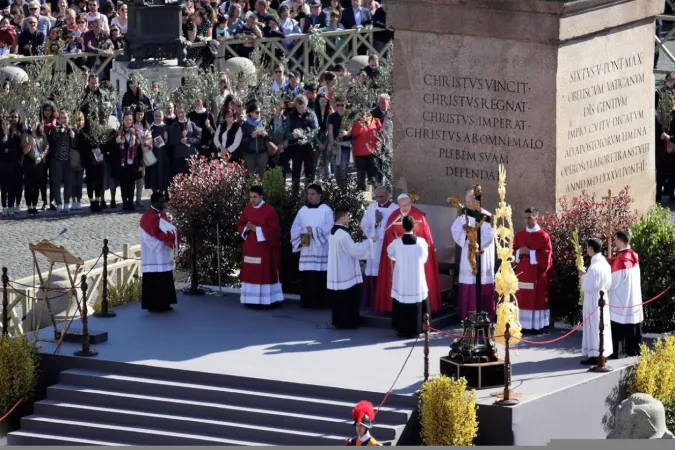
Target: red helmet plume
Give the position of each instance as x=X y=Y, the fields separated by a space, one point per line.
x=363 y=413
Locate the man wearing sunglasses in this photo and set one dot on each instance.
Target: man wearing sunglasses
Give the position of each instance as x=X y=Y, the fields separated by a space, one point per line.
x=43 y=23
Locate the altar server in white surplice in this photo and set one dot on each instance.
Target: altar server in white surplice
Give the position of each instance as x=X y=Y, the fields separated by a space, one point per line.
x=597 y=278
x=626 y=312
x=409 y=290
x=344 y=272
x=309 y=236
x=374 y=223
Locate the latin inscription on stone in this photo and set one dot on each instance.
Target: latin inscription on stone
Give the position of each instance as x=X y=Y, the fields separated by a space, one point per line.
x=607 y=137
x=474 y=124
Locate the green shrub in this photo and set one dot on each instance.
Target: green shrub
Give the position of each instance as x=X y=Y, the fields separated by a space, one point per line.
x=448 y=412
x=654 y=241
x=129 y=293
x=19 y=363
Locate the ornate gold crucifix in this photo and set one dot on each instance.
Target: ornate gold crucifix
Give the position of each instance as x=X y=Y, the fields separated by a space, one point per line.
x=471 y=231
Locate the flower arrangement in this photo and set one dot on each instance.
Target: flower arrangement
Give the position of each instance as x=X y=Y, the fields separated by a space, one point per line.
x=448 y=412
x=654 y=374
x=589 y=215
x=207 y=202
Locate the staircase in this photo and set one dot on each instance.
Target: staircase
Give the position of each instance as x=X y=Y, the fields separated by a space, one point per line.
x=143 y=407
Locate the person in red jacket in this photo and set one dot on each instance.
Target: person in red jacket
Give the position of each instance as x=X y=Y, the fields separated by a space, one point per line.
x=365 y=134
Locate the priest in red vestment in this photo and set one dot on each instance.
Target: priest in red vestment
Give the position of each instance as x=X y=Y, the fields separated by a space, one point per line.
x=394 y=230
x=159 y=242
x=261 y=253
x=533 y=262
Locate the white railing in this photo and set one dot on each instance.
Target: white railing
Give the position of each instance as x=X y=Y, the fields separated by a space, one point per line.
x=28 y=312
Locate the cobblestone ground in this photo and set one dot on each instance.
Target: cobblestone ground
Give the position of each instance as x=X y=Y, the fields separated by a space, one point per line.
x=83 y=238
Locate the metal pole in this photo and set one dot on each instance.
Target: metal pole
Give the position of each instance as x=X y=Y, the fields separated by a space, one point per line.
x=105 y=312
x=86 y=350
x=220 y=285
x=5 y=302
x=194 y=281
x=506 y=399
x=427 y=327
x=601 y=366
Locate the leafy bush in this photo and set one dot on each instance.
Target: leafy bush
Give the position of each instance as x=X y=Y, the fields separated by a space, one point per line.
x=448 y=412
x=654 y=374
x=129 y=293
x=589 y=216
x=19 y=364
x=654 y=241
x=209 y=198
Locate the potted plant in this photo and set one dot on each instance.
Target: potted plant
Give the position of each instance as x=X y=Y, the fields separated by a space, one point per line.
x=18 y=378
x=448 y=412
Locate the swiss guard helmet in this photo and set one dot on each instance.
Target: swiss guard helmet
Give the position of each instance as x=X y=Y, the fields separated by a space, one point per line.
x=363 y=414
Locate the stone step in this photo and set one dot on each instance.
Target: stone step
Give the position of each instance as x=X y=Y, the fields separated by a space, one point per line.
x=340 y=426
x=137 y=435
x=237 y=430
x=237 y=397
x=28 y=438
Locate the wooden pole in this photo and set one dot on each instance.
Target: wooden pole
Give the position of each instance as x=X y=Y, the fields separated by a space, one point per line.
x=86 y=349
x=601 y=366
x=609 y=221
x=427 y=326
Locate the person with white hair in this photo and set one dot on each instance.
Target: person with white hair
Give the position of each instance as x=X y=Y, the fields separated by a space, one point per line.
x=394 y=230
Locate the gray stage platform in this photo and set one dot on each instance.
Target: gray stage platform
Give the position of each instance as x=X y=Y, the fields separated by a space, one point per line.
x=212 y=334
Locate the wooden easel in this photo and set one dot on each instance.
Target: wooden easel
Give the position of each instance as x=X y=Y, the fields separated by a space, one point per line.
x=55 y=255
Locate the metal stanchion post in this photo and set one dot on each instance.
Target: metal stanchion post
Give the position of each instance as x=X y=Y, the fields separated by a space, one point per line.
x=220 y=285
x=427 y=326
x=5 y=302
x=86 y=350
x=105 y=312
x=506 y=399
x=601 y=366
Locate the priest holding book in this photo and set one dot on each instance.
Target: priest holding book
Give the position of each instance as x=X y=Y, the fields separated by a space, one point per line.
x=159 y=242
x=261 y=253
x=394 y=230
x=344 y=272
x=626 y=313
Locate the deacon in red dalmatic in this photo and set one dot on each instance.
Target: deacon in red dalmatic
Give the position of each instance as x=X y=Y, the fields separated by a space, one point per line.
x=533 y=265
x=159 y=243
x=261 y=253
x=394 y=230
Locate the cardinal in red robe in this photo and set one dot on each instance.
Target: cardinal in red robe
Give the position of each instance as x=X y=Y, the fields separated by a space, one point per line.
x=394 y=230
x=159 y=241
x=532 y=266
x=261 y=253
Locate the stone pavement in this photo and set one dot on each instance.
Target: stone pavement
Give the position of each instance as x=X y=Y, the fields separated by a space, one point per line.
x=83 y=238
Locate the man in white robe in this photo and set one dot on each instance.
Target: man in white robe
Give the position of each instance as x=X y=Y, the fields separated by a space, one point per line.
x=309 y=237
x=598 y=278
x=626 y=312
x=344 y=272
x=409 y=290
x=159 y=242
x=373 y=224
x=467 y=279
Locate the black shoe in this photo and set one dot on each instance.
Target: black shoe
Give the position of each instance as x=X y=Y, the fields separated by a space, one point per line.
x=590 y=361
x=44 y=206
x=168 y=309
x=104 y=205
x=95 y=206
x=113 y=204
x=52 y=207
